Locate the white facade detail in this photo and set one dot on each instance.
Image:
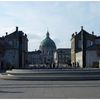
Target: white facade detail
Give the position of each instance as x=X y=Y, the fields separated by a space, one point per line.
x=79 y=58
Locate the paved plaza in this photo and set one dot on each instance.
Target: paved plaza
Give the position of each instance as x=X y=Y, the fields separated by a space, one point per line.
x=49 y=89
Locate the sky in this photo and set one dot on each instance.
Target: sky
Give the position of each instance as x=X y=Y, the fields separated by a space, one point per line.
x=60 y=18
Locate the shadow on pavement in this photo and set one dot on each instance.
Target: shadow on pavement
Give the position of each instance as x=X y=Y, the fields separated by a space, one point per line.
x=10 y=92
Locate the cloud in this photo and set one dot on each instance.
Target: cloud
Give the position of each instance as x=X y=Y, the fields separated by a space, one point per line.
x=34 y=36
x=33 y=44
x=61 y=18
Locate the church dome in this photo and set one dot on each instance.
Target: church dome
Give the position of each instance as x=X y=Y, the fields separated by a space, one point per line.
x=47 y=43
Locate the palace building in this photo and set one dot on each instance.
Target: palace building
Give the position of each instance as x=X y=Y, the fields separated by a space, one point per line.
x=62 y=57
x=14 y=48
x=35 y=58
x=85 y=49
x=47 y=48
x=45 y=56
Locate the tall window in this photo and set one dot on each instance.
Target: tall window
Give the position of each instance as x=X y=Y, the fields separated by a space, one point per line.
x=89 y=43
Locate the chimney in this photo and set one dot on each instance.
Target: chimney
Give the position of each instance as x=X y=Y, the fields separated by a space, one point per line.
x=6 y=33
x=75 y=33
x=17 y=28
x=25 y=35
x=92 y=32
x=81 y=27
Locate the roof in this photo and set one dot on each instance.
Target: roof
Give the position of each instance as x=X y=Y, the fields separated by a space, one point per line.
x=98 y=37
x=84 y=32
x=47 y=42
x=16 y=34
x=34 y=52
x=87 y=34
x=63 y=50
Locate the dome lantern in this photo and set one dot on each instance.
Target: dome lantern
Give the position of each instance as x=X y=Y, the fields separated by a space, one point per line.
x=47 y=35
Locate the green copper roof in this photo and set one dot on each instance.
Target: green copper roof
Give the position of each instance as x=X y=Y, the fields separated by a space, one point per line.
x=48 y=42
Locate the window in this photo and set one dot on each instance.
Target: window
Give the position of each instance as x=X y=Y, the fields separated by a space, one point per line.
x=79 y=44
x=89 y=43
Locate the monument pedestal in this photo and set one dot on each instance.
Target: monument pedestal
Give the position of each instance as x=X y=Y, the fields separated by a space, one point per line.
x=51 y=74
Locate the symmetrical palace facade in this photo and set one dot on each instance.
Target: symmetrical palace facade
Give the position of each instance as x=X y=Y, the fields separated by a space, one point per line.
x=14 y=48
x=85 y=49
x=84 y=52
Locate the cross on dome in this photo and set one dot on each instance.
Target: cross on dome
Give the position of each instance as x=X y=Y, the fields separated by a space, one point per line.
x=47 y=34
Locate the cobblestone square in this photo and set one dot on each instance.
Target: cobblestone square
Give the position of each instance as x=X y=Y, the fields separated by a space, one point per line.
x=49 y=89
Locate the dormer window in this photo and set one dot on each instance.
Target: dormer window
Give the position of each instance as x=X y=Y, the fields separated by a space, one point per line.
x=89 y=43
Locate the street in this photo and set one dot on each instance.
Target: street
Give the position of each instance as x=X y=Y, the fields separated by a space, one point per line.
x=49 y=89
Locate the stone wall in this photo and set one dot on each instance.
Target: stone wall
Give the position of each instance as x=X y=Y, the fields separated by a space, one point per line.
x=92 y=59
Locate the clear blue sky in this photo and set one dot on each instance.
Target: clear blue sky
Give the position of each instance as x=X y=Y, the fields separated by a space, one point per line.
x=61 y=18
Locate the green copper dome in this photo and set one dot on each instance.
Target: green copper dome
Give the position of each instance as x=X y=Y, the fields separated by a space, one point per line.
x=47 y=42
